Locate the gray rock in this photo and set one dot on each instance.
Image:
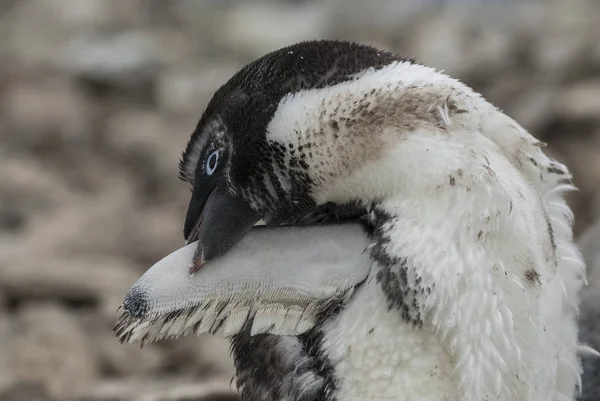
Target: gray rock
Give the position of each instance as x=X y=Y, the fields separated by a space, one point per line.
x=50 y=348
x=123 y=360
x=204 y=356
x=160 y=390
x=48 y=114
x=7 y=374
x=440 y=41
x=26 y=391
x=580 y=100
x=256 y=28
x=93 y=282
x=534 y=107
x=212 y=352
x=119 y=58
x=137 y=136
x=153 y=232
x=184 y=91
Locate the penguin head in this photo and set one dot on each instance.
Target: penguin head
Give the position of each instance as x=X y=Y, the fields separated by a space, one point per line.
x=257 y=154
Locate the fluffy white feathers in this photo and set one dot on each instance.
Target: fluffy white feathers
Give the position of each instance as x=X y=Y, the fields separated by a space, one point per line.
x=477 y=216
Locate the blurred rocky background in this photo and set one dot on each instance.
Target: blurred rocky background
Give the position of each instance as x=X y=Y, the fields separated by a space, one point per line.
x=98 y=98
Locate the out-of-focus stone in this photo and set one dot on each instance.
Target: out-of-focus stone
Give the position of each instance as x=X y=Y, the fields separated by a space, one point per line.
x=213 y=353
x=256 y=28
x=7 y=375
x=80 y=14
x=137 y=140
x=580 y=100
x=142 y=131
x=439 y=41
x=113 y=358
x=532 y=108
x=26 y=391
x=127 y=359
x=187 y=90
x=76 y=224
x=161 y=390
x=91 y=281
x=31 y=34
x=554 y=52
x=203 y=356
x=508 y=86
x=31 y=186
x=46 y=113
x=378 y=22
x=51 y=348
x=120 y=58
x=159 y=227
x=11 y=218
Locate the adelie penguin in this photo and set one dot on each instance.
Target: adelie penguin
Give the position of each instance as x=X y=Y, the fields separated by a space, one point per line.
x=428 y=253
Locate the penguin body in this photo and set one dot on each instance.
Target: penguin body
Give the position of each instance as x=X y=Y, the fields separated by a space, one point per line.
x=474 y=265
x=473 y=289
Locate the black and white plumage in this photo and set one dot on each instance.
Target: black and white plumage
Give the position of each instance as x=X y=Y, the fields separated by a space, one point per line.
x=473 y=281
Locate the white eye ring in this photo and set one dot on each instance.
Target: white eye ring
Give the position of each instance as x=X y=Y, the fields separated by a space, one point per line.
x=212 y=162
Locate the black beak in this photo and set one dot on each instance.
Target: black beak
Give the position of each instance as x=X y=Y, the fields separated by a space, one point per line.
x=218 y=220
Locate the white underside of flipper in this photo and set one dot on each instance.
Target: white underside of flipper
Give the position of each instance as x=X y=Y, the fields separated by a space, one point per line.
x=281 y=278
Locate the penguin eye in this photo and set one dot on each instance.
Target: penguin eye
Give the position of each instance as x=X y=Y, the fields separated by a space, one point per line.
x=211 y=162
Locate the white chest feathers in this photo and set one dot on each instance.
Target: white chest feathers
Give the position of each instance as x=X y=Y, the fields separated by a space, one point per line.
x=376 y=354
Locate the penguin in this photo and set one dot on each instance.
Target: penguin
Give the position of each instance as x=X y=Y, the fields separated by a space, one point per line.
x=472 y=286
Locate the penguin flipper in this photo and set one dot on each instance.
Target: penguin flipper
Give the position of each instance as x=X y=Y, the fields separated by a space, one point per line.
x=281 y=279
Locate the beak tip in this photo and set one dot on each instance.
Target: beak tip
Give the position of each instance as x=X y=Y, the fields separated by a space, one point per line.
x=197 y=263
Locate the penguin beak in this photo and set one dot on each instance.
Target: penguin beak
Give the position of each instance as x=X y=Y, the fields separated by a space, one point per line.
x=218 y=220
